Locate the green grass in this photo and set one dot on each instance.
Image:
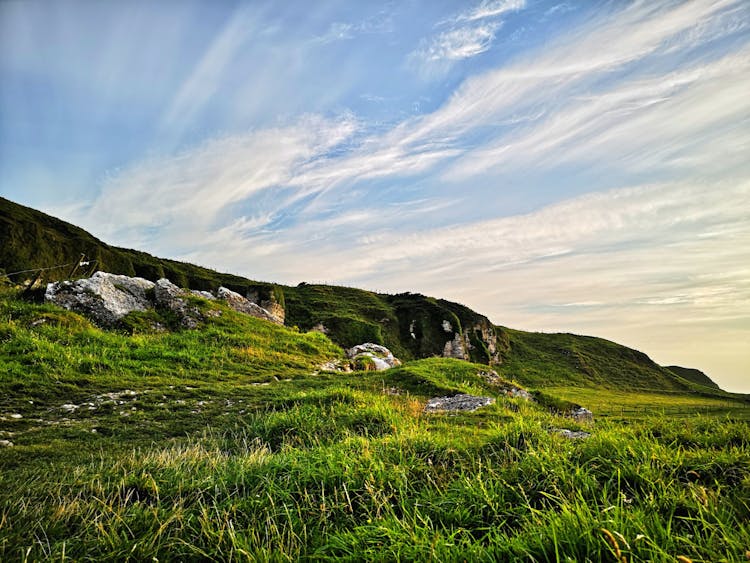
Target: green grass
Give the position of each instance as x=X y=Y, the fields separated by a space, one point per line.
x=226 y=443
x=633 y=404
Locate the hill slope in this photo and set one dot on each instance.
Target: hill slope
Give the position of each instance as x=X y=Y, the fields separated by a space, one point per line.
x=546 y=360
x=411 y=325
x=694 y=375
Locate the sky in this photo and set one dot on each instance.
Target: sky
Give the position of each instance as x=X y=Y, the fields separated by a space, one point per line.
x=559 y=166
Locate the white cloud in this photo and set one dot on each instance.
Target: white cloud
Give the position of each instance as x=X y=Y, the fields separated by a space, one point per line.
x=490 y=9
x=677 y=110
x=574 y=64
x=457 y=44
x=205 y=79
x=382 y=22
x=471 y=33
x=182 y=196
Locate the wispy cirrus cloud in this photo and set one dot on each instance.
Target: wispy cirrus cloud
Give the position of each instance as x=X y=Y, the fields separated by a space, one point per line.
x=382 y=22
x=470 y=33
x=165 y=202
x=489 y=9
x=457 y=44
x=202 y=84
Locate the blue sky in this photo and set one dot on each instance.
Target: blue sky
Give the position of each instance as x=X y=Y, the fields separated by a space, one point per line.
x=556 y=165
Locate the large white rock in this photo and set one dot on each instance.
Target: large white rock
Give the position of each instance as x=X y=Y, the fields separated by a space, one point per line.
x=582 y=414
x=105 y=298
x=381 y=357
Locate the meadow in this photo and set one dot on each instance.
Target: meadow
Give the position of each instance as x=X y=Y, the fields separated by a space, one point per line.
x=228 y=443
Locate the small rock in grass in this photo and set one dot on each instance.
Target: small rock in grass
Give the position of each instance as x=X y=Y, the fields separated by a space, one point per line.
x=16 y=416
x=460 y=402
x=6 y=444
x=582 y=414
x=515 y=392
x=571 y=434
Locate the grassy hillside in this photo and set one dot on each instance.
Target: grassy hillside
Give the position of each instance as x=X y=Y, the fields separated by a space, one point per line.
x=225 y=443
x=30 y=239
x=411 y=325
x=694 y=375
x=547 y=360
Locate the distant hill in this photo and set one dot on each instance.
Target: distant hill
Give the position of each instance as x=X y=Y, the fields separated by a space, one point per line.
x=542 y=359
x=411 y=325
x=694 y=375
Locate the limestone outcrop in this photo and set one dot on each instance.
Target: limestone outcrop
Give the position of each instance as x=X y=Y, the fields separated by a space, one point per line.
x=169 y=296
x=582 y=414
x=104 y=298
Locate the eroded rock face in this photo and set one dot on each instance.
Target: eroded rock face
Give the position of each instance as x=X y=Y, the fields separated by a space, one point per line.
x=105 y=298
x=456 y=348
x=489 y=337
x=243 y=305
x=460 y=402
x=380 y=356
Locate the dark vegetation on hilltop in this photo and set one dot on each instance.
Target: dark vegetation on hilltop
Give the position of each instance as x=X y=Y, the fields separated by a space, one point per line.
x=32 y=239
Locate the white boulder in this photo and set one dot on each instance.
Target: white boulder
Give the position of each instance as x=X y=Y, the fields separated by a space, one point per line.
x=104 y=297
x=380 y=356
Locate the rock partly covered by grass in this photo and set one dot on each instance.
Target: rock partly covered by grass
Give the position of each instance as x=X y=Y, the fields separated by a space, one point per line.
x=167 y=294
x=244 y=305
x=582 y=414
x=372 y=357
x=571 y=434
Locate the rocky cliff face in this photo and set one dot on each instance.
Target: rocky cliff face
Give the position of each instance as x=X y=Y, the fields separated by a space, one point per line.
x=435 y=327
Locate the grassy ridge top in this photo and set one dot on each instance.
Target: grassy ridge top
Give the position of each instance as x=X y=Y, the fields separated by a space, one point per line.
x=32 y=239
